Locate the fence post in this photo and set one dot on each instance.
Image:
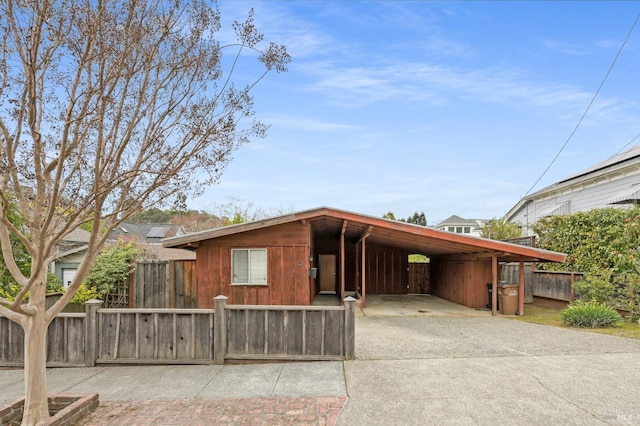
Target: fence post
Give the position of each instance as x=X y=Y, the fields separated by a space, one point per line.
x=91 y=331
x=219 y=329
x=349 y=328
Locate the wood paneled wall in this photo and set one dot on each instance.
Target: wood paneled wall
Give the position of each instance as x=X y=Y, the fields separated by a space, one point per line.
x=288 y=281
x=462 y=281
x=386 y=270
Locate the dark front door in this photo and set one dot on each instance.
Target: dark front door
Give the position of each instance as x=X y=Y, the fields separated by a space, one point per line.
x=327 y=273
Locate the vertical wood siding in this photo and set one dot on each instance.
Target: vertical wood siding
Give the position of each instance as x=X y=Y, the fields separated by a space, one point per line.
x=288 y=281
x=462 y=281
x=386 y=271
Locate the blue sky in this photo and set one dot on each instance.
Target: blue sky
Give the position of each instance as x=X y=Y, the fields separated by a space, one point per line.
x=442 y=107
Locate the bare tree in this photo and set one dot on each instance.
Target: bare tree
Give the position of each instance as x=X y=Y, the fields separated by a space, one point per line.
x=106 y=107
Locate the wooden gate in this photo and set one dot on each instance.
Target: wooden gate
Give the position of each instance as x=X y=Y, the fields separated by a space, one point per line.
x=419 y=278
x=164 y=284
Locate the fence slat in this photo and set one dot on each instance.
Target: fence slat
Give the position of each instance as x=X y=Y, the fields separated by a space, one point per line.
x=190 y=336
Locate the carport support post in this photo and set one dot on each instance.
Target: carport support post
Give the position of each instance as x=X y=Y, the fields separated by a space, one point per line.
x=494 y=285
x=363 y=273
x=344 y=229
x=521 y=288
x=219 y=329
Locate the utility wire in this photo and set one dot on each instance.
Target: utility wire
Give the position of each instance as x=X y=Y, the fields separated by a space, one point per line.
x=620 y=151
x=575 y=129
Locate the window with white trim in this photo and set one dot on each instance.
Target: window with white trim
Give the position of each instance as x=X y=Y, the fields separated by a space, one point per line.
x=249 y=266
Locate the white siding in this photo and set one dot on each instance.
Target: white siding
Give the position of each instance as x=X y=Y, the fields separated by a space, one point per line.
x=581 y=199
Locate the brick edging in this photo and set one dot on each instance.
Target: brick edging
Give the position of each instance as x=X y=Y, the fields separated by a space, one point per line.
x=66 y=408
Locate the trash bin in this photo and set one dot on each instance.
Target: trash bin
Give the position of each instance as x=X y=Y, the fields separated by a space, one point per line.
x=508 y=298
x=490 y=293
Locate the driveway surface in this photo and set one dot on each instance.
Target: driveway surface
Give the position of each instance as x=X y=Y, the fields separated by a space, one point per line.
x=411 y=369
x=487 y=371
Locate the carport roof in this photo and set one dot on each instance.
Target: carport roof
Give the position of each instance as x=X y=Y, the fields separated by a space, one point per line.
x=413 y=238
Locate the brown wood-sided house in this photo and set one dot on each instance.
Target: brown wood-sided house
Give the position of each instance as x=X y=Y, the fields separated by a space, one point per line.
x=288 y=260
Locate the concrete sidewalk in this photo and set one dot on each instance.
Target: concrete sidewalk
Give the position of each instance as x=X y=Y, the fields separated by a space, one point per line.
x=311 y=393
x=116 y=383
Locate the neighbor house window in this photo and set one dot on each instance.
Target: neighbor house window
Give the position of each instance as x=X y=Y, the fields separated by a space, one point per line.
x=249 y=266
x=467 y=230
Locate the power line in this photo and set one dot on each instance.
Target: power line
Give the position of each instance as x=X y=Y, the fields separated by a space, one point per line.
x=575 y=129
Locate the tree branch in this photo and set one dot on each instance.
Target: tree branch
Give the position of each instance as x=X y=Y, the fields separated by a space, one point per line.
x=16 y=317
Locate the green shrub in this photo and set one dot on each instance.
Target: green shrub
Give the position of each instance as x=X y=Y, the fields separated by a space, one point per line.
x=84 y=294
x=598 y=288
x=590 y=314
x=9 y=290
x=113 y=266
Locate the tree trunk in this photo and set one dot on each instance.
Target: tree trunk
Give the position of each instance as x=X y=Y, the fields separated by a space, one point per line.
x=36 y=407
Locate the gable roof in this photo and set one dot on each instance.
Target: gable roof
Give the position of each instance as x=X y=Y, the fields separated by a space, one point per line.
x=626 y=161
x=78 y=235
x=414 y=238
x=615 y=160
x=457 y=220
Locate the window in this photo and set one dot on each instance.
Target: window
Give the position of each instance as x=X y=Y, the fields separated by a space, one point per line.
x=458 y=229
x=249 y=266
x=452 y=229
x=467 y=229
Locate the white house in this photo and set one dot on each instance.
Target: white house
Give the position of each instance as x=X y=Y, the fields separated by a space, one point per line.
x=614 y=182
x=459 y=225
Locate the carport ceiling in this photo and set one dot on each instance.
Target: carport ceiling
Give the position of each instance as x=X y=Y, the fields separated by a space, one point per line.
x=417 y=239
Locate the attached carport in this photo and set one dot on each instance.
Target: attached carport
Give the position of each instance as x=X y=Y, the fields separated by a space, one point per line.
x=372 y=253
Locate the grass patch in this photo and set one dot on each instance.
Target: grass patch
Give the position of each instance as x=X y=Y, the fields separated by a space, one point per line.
x=553 y=317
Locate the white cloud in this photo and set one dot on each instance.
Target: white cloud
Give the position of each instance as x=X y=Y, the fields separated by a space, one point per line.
x=564 y=47
x=305 y=123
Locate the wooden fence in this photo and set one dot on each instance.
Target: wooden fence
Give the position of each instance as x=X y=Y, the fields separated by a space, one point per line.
x=163 y=284
x=190 y=336
x=546 y=284
x=66 y=344
x=419 y=278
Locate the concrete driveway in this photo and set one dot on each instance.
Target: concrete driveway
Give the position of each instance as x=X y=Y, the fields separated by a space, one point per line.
x=417 y=305
x=488 y=370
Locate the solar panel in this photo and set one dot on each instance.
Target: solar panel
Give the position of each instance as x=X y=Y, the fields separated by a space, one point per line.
x=157 y=232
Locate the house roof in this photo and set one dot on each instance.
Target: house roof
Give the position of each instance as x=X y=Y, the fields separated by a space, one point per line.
x=415 y=238
x=146 y=232
x=624 y=161
x=632 y=154
x=78 y=235
x=457 y=220
x=74 y=250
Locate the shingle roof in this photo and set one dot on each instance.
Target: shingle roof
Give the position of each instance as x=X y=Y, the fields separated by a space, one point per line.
x=457 y=220
x=147 y=232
